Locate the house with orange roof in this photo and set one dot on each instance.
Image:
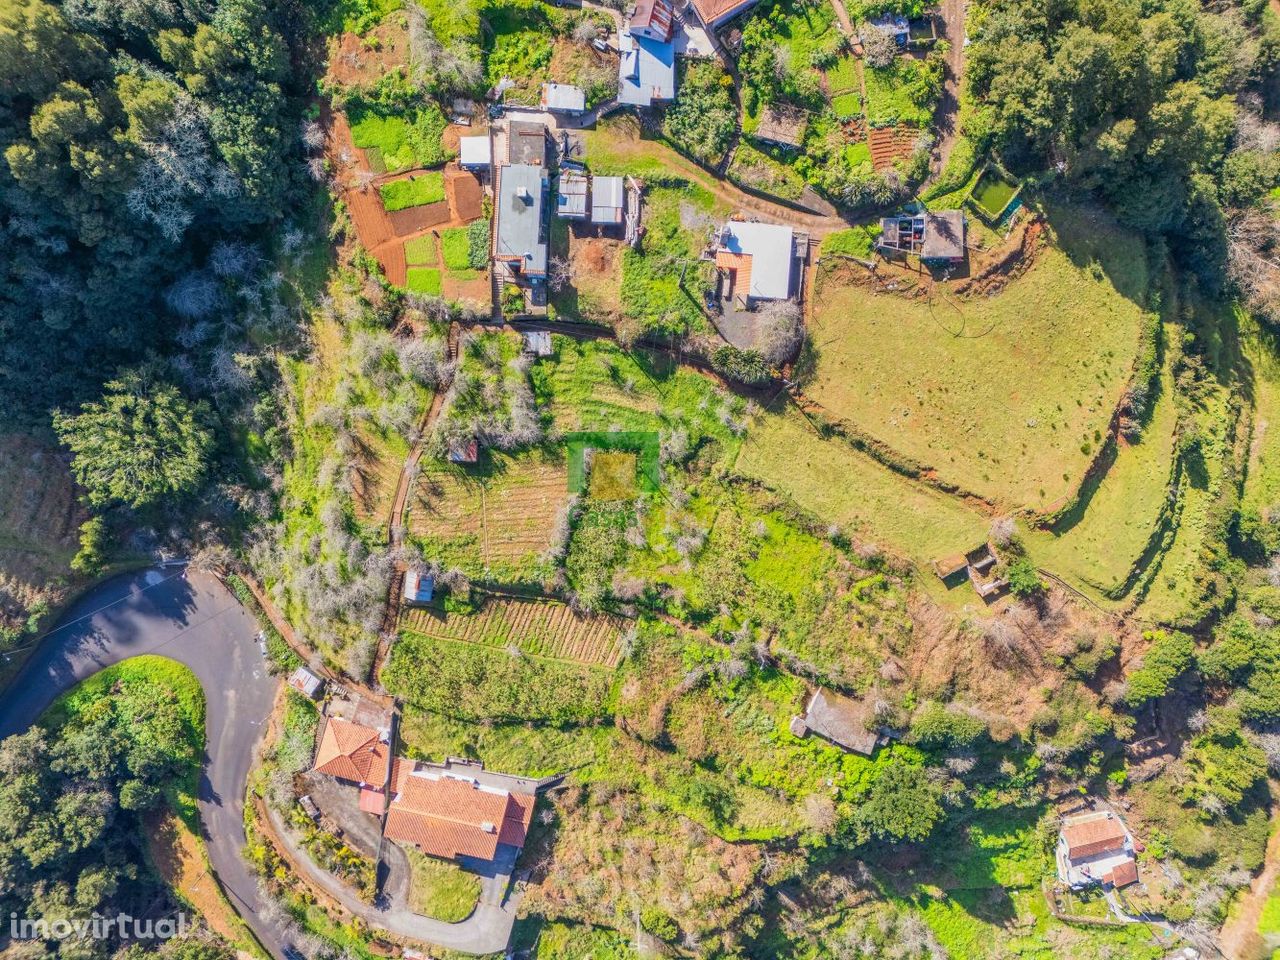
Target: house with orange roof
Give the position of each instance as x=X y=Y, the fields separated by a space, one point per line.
x=713 y=13
x=457 y=811
x=354 y=753
x=1096 y=849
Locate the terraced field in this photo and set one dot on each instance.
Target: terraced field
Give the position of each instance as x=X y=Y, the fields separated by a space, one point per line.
x=497 y=514
x=537 y=628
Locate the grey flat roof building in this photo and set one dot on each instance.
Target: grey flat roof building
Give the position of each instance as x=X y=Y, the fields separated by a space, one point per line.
x=521 y=235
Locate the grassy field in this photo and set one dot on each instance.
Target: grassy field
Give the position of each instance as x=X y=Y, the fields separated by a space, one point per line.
x=1097 y=545
x=455 y=244
x=421 y=251
x=441 y=890
x=845 y=487
x=1262 y=482
x=538 y=628
x=493 y=519
x=1006 y=396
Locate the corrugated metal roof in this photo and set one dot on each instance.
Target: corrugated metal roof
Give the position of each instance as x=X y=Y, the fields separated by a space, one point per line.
x=772 y=253
x=607 y=199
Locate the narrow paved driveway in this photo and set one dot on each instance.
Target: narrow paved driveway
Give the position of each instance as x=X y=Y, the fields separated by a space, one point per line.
x=193 y=619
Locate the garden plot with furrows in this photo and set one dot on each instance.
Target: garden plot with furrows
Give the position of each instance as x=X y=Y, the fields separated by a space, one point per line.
x=498 y=515
x=538 y=628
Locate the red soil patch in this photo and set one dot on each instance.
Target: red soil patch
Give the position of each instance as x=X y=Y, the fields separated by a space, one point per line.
x=373 y=225
x=417 y=219
x=358 y=61
x=891 y=143
x=595 y=255
x=465 y=195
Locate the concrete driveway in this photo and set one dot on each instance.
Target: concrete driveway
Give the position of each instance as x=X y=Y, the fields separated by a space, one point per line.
x=193 y=619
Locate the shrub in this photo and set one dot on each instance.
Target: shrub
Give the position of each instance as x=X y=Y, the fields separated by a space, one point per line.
x=478 y=244
x=935 y=725
x=413 y=192
x=1170 y=654
x=744 y=366
x=1024 y=578
x=902 y=804
x=702 y=119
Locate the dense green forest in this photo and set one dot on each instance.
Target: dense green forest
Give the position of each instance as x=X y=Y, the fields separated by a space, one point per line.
x=73 y=793
x=149 y=151
x=1162 y=108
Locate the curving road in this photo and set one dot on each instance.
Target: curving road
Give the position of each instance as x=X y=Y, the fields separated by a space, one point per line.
x=194 y=619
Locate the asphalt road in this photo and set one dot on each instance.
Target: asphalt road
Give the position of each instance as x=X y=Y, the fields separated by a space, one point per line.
x=191 y=618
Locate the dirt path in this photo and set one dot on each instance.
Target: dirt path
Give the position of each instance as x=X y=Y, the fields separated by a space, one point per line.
x=948 y=113
x=842 y=15
x=1239 y=938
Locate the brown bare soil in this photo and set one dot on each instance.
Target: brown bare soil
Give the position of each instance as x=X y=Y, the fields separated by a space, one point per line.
x=361 y=61
x=994 y=268
x=178 y=855
x=537 y=627
x=406 y=223
x=466 y=198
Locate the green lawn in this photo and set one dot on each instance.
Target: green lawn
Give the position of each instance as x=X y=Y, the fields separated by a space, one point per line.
x=1097 y=549
x=413 y=192
x=843 y=77
x=1005 y=396
x=847 y=105
x=854 y=242
x=848 y=488
x=423 y=280
x=441 y=890
x=421 y=251
x=456 y=244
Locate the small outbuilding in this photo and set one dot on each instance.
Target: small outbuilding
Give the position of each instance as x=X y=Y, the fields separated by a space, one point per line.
x=306 y=683
x=936 y=237
x=563 y=98
x=418 y=587
x=464 y=451
x=758 y=260
x=1096 y=849
x=475 y=153
x=840 y=720
x=653 y=19
x=607 y=200
x=571 y=196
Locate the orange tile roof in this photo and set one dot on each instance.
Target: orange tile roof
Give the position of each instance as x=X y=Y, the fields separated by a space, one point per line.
x=352 y=752
x=1086 y=838
x=1123 y=875
x=449 y=818
x=712 y=10
x=739 y=263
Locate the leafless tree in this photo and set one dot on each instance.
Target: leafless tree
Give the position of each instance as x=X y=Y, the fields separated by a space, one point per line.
x=559 y=273
x=1253 y=259
x=312 y=135
x=586 y=31
x=879 y=47
x=781 y=331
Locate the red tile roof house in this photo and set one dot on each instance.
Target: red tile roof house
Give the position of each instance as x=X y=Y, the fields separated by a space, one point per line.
x=1093 y=849
x=451 y=815
x=357 y=754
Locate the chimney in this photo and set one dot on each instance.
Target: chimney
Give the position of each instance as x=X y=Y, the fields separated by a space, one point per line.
x=523 y=194
x=488 y=827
